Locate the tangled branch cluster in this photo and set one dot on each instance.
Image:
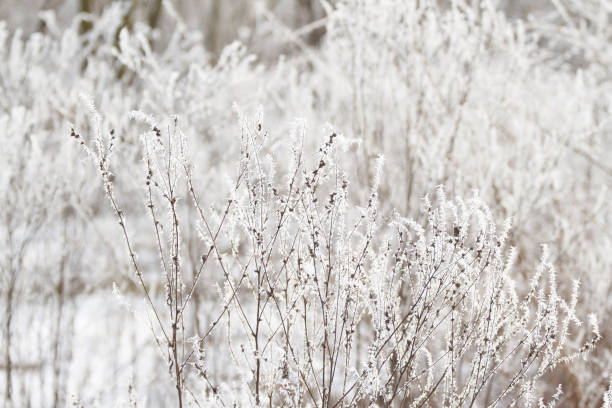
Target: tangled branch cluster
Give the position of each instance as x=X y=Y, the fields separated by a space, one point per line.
x=326 y=303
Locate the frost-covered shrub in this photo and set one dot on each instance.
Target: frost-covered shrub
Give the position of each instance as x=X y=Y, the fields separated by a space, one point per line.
x=323 y=303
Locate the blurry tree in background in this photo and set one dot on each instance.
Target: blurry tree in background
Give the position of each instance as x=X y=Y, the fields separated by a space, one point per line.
x=220 y=22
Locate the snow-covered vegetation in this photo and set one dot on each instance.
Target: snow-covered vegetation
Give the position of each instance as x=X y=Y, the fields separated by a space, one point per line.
x=349 y=203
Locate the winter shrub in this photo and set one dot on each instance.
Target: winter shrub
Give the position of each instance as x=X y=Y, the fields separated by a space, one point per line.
x=325 y=303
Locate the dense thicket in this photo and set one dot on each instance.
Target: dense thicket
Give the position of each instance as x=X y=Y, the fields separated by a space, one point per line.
x=422 y=219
